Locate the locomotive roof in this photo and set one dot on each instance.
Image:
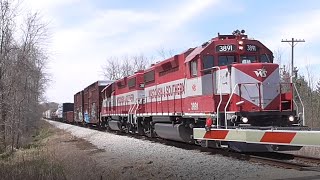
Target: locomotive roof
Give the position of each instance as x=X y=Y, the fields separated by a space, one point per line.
x=194 y=53
x=105 y=82
x=106 y=87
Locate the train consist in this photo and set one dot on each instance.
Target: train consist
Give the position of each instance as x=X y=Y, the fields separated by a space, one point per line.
x=225 y=92
x=63 y=113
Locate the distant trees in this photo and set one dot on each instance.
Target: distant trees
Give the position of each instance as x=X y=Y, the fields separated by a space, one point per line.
x=309 y=90
x=22 y=78
x=119 y=67
x=116 y=68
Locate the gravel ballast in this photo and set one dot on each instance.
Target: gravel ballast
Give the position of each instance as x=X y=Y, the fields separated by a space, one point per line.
x=129 y=158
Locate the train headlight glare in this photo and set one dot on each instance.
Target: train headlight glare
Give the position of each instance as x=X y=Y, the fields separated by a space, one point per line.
x=291 y=118
x=240 y=42
x=241 y=47
x=244 y=119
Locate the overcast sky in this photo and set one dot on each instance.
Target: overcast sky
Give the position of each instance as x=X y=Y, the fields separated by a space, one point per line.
x=86 y=32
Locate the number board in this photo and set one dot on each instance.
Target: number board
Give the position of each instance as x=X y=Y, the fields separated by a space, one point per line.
x=225 y=48
x=251 y=48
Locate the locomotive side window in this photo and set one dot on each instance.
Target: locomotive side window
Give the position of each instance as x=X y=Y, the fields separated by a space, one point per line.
x=247 y=59
x=226 y=60
x=208 y=63
x=265 y=58
x=121 y=84
x=193 y=68
x=149 y=77
x=132 y=82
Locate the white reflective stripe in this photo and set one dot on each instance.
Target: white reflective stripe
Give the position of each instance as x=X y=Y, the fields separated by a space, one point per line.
x=307 y=138
x=198 y=133
x=254 y=137
x=236 y=136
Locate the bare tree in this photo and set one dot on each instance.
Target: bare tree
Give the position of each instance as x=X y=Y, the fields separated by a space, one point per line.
x=278 y=56
x=127 y=68
x=116 y=68
x=6 y=28
x=22 y=77
x=112 y=69
x=140 y=62
x=165 y=53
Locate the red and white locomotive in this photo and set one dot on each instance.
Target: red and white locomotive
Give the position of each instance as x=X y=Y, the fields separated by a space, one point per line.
x=226 y=91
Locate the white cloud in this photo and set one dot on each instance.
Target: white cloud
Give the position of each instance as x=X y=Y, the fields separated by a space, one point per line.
x=298 y=25
x=80 y=51
x=48 y=4
x=302 y=25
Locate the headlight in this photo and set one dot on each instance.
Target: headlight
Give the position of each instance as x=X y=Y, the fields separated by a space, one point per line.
x=244 y=119
x=291 y=118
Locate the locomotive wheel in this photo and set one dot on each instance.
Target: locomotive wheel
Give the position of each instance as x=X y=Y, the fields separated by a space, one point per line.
x=107 y=124
x=140 y=127
x=128 y=128
x=141 y=131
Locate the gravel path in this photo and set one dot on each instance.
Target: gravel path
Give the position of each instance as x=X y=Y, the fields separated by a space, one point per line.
x=129 y=158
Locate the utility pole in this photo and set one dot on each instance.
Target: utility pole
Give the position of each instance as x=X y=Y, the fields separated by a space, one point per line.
x=292 y=43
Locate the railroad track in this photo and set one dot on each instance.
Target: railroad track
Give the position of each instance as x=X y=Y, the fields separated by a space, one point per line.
x=311 y=160
x=288 y=164
x=287 y=161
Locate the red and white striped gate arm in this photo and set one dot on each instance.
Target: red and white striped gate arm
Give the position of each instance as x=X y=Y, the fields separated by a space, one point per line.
x=281 y=137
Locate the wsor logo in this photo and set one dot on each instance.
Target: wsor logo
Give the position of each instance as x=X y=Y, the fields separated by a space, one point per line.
x=261 y=72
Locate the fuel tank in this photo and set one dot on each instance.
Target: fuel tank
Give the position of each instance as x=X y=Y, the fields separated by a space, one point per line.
x=176 y=132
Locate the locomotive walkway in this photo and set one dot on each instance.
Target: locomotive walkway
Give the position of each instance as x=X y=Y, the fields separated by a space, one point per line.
x=125 y=157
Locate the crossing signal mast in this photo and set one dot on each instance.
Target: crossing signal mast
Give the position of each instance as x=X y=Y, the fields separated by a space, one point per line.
x=293 y=42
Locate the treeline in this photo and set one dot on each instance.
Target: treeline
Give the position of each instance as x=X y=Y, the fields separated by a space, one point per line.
x=309 y=91
x=119 y=67
x=310 y=94
x=122 y=66
x=22 y=78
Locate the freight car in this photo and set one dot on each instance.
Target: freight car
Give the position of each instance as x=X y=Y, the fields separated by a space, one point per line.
x=47 y=114
x=92 y=100
x=225 y=92
x=78 y=107
x=63 y=109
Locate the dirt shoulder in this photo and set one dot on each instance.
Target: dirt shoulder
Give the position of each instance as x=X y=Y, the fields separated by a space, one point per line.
x=122 y=157
x=75 y=155
x=53 y=154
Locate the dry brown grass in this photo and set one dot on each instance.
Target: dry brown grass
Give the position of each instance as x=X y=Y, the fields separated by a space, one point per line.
x=34 y=161
x=53 y=154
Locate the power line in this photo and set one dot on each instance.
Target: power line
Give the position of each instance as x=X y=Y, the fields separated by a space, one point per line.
x=292 y=43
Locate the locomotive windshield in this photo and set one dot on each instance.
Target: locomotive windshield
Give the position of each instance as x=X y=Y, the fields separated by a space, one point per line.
x=265 y=58
x=226 y=60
